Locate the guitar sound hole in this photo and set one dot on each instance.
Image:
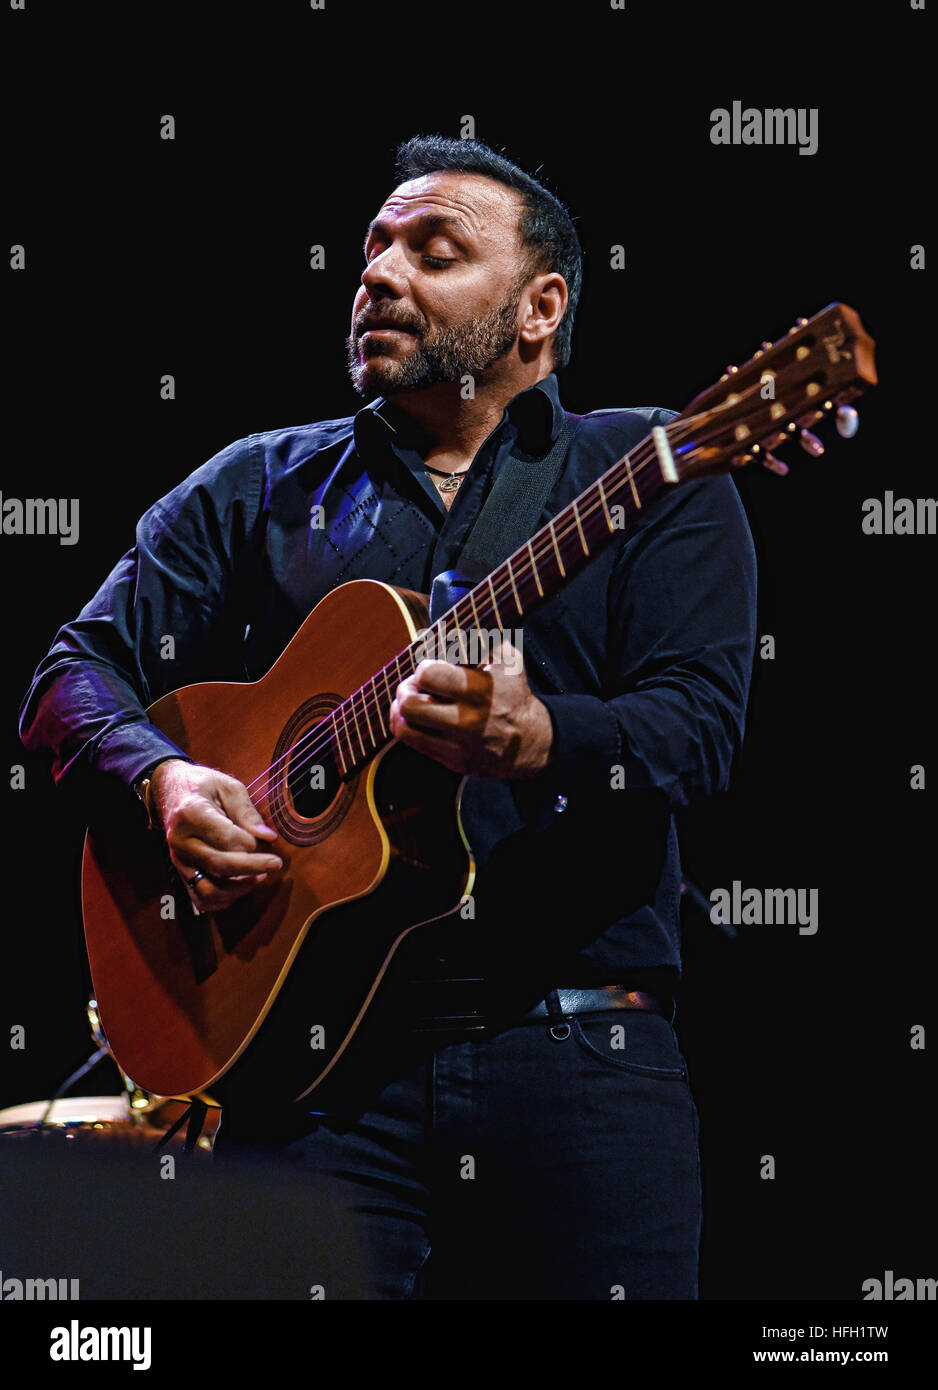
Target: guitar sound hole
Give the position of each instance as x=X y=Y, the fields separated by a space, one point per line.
x=310 y=800
x=312 y=786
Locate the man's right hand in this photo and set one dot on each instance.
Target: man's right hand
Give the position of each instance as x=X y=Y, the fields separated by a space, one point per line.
x=212 y=829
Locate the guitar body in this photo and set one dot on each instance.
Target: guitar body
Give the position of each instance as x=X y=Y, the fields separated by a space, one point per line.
x=264 y=1000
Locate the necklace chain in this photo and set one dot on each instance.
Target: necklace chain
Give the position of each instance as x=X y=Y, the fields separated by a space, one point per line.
x=451 y=481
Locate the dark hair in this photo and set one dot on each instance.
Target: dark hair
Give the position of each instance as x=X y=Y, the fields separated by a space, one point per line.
x=546 y=228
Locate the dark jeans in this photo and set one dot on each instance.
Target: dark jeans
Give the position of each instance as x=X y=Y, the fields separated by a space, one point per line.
x=515 y=1167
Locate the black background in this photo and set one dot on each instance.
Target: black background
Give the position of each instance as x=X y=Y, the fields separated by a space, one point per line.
x=191 y=257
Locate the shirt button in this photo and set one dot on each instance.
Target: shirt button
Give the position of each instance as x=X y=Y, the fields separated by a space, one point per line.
x=560 y=805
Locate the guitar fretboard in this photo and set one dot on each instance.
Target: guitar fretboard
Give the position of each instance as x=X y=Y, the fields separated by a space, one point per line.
x=537 y=570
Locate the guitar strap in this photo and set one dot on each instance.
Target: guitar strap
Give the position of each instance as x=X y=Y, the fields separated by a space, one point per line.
x=508 y=518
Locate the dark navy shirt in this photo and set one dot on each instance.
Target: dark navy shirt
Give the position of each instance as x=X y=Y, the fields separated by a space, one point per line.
x=643 y=660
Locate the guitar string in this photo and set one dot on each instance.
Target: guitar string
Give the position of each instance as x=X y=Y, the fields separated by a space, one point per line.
x=369 y=703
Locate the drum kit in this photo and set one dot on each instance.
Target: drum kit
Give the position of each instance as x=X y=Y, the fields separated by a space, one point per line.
x=133 y=1121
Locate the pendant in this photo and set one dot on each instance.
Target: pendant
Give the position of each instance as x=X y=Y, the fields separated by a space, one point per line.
x=451 y=484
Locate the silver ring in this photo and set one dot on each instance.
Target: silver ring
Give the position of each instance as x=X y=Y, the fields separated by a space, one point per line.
x=191 y=882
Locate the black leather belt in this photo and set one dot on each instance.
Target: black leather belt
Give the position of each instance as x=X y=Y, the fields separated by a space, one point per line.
x=587 y=1001
x=464 y=1012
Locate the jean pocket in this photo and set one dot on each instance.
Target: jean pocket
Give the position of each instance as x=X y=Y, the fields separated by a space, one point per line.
x=633 y=1041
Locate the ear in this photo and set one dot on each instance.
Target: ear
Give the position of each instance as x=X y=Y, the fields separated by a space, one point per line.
x=543 y=305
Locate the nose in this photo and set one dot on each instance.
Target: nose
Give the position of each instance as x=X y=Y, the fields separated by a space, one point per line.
x=384 y=275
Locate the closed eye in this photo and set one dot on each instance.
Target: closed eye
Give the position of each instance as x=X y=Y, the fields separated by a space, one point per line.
x=437 y=261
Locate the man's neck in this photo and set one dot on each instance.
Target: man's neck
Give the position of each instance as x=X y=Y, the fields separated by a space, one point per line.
x=457 y=428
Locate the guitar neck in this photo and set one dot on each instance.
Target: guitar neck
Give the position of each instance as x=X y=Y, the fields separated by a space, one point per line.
x=785 y=386
x=532 y=574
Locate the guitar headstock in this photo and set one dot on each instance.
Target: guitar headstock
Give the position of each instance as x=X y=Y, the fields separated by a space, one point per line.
x=785 y=388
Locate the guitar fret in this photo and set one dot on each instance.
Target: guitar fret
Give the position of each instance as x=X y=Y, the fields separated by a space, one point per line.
x=602 y=498
x=537 y=579
x=665 y=456
x=498 y=616
x=358 y=734
x=514 y=588
x=384 y=732
x=338 y=741
x=392 y=670
x=440 y=635
x=550 y=527
x=364 y=700
x=459 y=631
x=465 y=628
x=628 y=470
x=348 y=758
x=579 y=527
x=390 y=698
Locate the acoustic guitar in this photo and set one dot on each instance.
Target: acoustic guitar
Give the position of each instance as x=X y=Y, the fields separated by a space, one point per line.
x=267 y=998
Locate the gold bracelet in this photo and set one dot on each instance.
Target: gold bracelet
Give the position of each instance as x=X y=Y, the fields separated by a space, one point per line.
x=142 y=788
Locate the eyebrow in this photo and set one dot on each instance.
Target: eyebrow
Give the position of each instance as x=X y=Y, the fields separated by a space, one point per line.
x=426 y=221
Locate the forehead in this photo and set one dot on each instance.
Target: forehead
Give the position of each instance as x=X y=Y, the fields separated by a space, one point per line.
x=480 y=207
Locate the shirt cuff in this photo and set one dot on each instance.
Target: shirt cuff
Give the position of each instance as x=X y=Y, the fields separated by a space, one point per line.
x=130 y=751
x=587 y=746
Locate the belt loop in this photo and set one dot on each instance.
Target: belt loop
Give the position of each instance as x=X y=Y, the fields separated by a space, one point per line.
x=559 y=1028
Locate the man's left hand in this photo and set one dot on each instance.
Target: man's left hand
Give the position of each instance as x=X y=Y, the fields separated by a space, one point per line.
x=484 y=721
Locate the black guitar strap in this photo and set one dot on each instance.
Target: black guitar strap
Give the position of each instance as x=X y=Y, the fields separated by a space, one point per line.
x=508 y=518
x=513 y=507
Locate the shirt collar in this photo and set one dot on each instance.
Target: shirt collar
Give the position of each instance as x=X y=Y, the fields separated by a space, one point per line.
x=536 y=413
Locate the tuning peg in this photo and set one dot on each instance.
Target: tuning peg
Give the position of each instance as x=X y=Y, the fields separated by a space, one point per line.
x=775 y=465
x=811 y=444
x=731 y=370
x=848 y=421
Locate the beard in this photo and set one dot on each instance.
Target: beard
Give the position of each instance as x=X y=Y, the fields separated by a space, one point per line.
x=447 y=354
